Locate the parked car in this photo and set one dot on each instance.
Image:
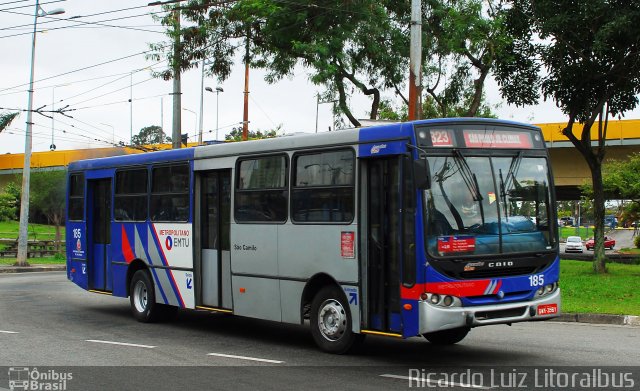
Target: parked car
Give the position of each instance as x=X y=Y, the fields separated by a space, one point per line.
x=573 y=244
x=608 y=243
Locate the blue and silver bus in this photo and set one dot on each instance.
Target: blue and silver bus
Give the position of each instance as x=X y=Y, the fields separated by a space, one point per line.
x=426 y=228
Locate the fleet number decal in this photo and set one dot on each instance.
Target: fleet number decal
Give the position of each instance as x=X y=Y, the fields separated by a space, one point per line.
x=537 y=280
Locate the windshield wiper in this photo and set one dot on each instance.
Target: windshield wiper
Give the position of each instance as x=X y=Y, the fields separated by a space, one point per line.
x=469 y=179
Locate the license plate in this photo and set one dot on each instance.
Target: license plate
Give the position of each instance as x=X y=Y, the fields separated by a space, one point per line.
x=547 y=309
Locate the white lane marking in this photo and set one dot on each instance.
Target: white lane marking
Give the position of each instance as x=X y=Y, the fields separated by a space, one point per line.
x=433 y=382
x=135 y=345
x=245 y=358
x=8 y=332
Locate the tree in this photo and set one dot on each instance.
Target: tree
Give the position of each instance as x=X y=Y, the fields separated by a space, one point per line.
x=343 y=45
x=48 y=198
x=622 y=177
x=9 y=202
x=150 y=135
x=462 y=40
x=586 y=57
x=6 y=119
x=236 y=134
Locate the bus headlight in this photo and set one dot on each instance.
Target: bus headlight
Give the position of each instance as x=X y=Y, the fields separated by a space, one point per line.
x=547 y=289
x=441 y=300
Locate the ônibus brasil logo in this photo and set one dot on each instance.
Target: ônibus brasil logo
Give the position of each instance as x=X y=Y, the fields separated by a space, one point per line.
x=168 y=242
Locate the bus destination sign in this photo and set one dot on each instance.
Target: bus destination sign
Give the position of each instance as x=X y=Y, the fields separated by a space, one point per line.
x=497 y=139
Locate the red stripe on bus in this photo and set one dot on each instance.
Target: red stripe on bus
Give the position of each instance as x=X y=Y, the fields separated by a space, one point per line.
x=126 y=247
x=453 y=288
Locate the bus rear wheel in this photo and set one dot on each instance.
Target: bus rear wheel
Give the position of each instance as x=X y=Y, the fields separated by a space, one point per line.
x=331 y=322
x=447 y=337
x=143 y=300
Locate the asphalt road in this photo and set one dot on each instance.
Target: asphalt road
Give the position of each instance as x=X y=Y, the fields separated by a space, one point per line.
x=48 y=323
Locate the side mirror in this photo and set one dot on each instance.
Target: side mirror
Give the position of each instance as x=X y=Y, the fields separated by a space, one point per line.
x=421 y=174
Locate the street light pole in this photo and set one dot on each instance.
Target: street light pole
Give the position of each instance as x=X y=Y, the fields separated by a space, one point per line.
x=26 y=171
x=218 y=91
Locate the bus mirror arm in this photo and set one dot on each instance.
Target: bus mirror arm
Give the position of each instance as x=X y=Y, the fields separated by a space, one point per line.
x=421 y=169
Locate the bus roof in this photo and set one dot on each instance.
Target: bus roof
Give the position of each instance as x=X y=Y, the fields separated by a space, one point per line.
x=382 y=132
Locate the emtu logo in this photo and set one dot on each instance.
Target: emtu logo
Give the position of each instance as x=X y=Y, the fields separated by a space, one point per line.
x=168 y=243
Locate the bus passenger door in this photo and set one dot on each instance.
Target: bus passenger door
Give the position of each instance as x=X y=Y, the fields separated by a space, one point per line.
x=381 y=211
x=99 y=225
x=214 y=213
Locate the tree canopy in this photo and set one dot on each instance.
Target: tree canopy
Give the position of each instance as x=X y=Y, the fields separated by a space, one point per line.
x=150 y=135
x=6 y=119
x=586 y=57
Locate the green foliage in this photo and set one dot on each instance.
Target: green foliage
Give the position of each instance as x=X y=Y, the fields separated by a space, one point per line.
x=430 y=109
x=636 y=241
x=7 y=207
x=48 y=195
x=6 y=119
x=236 y=134
x=462 y=41
x=583 y=55
x=10 y=202
x=150 y=135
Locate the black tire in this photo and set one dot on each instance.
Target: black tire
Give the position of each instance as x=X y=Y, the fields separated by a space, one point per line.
x=143 y=300
x=331 y=322
x=447 y=337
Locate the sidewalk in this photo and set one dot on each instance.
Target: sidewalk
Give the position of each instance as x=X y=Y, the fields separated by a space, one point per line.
x=32 y=268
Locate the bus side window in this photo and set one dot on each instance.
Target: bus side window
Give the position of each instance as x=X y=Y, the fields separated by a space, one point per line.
x=170 y=193
x=76 y=197
x=323 y=187
x=130 y=200
x=261 y=190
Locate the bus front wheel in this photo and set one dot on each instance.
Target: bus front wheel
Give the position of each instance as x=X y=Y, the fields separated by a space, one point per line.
x=447 y=337
x=143 y=300
x=331 y=322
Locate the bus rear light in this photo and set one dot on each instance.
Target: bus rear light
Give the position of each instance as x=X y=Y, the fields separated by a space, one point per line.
x=73 y=270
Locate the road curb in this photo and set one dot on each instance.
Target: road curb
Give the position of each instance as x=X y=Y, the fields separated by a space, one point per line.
x=34 y=268
x=620 y=320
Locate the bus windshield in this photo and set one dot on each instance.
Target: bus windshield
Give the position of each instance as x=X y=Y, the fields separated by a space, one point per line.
x=487 y=205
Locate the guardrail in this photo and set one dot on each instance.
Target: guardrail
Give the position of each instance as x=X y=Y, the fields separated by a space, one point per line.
x=35 y=249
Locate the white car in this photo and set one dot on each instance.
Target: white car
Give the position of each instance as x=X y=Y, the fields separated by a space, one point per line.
x=573 y=244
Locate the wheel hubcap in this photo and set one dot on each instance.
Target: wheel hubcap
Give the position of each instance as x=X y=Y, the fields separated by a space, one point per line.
x=140 y=296
x=332 y=320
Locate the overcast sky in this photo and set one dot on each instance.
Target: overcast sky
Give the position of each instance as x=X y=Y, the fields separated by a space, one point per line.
x=102 y=110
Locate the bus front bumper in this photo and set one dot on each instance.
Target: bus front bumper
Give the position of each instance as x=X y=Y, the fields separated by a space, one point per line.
x=435 y=318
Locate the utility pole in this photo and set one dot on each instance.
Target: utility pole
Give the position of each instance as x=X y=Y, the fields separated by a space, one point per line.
x=131 y=108
x=245 y=117
x=177 y=94
x=415 y=62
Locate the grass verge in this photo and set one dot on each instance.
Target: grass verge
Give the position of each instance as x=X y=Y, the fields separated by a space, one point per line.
x=35 y=261
x=9 y=230
x=586 y=292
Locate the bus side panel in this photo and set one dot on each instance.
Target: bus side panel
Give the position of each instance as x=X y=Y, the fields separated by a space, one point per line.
x=119 y=274
x=305 y=250
x=291 y=296
x=256 y=297
x=76 y=238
